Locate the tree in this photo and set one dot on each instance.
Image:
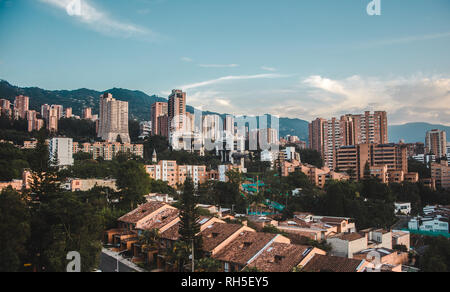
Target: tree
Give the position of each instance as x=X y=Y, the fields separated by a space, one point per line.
x=133 y=182
x=208 y=265
x=189 y=217
x=14 y=230
x=437 y=256
x=312 y=157
x=62 y=224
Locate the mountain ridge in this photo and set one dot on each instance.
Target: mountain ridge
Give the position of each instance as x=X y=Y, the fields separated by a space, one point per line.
x=140 y=104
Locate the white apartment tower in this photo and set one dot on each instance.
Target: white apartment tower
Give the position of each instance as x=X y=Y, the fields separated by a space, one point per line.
x=61 y=149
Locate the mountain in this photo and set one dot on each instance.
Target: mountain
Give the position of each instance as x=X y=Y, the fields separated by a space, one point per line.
x=413 y=132
x=139 y=103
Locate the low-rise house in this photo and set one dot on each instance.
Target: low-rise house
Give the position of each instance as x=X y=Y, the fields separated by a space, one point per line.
x=217 y=235
x=283 y=257
x=401 y=238
x=165 y=198
x=435 y=219
x=381 y=256
x=347 y=244
x=403 y=208
x=326 y=263
x=245 y=248
x=378 y=238
x=84 y=185
x=317 y=227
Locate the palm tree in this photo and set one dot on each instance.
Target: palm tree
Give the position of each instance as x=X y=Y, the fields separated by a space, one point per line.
x=150 y=241
x=178 y=256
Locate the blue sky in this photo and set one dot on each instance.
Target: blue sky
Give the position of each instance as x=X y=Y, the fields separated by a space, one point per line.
x=294 y=58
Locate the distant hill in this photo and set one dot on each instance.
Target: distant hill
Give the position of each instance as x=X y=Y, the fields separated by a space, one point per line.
x=139 y=103
x=413 y=132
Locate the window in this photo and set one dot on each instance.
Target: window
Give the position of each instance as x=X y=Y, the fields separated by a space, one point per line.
x=227 y=267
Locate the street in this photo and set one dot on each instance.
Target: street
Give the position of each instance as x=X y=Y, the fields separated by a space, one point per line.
x=108 y=264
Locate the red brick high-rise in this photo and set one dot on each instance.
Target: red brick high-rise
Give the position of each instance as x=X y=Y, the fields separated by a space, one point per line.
x=327 y=136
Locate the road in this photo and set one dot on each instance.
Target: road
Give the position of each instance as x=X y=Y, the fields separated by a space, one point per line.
x=108 y=264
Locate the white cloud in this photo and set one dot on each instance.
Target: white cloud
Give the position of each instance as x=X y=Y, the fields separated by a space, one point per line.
x=229 y=78
x=271 y=69
x=405 y=40
x=417 y=98
x=187 y=59
x=218 y=65
x=100 y=21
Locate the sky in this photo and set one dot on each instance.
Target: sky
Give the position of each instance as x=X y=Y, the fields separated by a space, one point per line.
x=292 y=58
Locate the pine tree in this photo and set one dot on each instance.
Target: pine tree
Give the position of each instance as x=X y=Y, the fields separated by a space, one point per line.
x=189 y=216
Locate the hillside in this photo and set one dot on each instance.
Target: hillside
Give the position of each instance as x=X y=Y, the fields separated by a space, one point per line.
x=139 y=103
x=413 y=132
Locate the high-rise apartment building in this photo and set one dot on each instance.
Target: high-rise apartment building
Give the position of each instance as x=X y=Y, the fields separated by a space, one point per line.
x=229 y=124
x=177 y=111
x=356 y=160
x=158 y=110
x=440 y=172
x=212 y=127
x=61 y=151
x=68 y=113
x=113 y=122
x=59 y=110
x=34 y=124
x=45 y=109
x=436 y=143
x=21 y=105
x=163 y=126
x=327 y=136
x=87 y=113
x=5 y=108
x=53 y=118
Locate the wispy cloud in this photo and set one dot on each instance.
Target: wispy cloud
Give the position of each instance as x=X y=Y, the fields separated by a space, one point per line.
x=413 y=98
x=270 y=69
x=187 y=59
x=100 y=21
x=230 y=78
x=219 y=65
x=405 y=40
x=406 y=99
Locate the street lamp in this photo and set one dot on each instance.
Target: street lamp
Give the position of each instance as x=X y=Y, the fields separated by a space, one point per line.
x=117 y=258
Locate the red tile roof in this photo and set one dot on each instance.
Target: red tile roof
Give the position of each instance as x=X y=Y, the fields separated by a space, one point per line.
x=322 y=263
x=141 y=212
x=280 y=258
x=217 y=233
x=244 y=247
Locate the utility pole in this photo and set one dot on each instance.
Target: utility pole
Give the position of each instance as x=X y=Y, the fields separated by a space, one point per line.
x=193 y=260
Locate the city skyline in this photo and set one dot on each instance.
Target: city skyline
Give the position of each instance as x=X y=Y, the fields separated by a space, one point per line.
x=296 y=61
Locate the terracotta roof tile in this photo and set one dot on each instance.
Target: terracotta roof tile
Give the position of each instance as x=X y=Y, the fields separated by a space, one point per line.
x=217 y=233
x=160 y=219
x=321 y=263
x=141 y=212
x=280 y=258
x=244 y=247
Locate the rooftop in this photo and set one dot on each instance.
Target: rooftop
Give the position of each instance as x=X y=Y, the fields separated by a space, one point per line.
x=217 y=233
x=280 y=257
x=321 y=263
x=141 y=212
x=244 y=247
